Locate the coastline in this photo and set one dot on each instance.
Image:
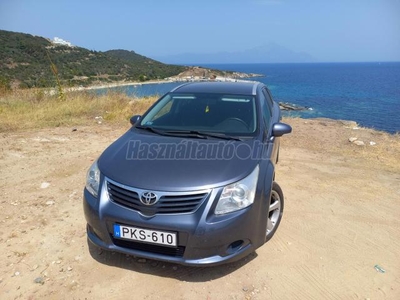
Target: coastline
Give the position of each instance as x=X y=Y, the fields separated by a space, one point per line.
x=191 y=75
x=138 y=83
x=288 y=109
x=114 y=84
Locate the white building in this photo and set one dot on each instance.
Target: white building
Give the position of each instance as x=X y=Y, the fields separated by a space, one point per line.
x=60 y=41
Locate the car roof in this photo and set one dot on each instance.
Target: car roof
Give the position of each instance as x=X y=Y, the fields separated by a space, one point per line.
x=236 y=88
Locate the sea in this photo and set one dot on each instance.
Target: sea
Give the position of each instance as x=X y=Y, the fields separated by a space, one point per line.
x=367 y=93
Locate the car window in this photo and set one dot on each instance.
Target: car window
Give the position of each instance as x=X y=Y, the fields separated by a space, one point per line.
x=164 y=110
x=221 y=113
x=266 y=116
x=268 y=99
x=162 y=107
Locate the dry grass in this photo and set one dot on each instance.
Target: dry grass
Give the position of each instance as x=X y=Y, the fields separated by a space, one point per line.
x=23 y=109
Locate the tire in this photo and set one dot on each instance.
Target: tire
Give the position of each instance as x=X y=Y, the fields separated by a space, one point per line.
x=275 y=211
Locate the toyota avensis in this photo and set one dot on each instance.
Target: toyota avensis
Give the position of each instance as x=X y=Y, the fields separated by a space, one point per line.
x=192 y=181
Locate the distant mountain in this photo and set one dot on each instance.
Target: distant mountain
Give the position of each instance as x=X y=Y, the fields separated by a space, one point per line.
x=271 y=53
x=25 y=61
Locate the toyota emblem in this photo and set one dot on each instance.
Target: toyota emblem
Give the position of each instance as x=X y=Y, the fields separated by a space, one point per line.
x=148 y=198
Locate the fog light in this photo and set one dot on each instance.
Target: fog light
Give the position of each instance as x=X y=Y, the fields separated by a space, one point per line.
x=232 y=248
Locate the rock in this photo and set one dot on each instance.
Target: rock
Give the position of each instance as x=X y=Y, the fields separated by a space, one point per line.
x=359 y=143
x=39 y=280
x=141 y=260
x=349 y=124
x=50 y=202
x=174 y=268
x=371 y=143
x=288 y=106
x=98 y=119
x=74 y=129
x=69 y=269
x=352 y=139
x=74 y=285
x=44 y=185
x=17 y=273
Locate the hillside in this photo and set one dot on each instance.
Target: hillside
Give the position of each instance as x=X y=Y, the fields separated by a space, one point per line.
x=25 y=62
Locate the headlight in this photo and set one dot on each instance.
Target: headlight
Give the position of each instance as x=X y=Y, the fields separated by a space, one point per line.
x=238 y=195
x=93 y=179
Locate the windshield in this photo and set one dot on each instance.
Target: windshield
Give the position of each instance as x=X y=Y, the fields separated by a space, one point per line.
x=219 y=113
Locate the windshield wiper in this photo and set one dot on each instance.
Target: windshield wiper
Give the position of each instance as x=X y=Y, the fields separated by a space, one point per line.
x=190 y=133
x=204 y=135
x=173 y=133
x=151 y=129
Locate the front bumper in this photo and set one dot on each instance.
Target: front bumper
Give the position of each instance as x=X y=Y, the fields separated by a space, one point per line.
x=203 y=238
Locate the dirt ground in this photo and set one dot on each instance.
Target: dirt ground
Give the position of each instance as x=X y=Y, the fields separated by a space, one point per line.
x=341 y=219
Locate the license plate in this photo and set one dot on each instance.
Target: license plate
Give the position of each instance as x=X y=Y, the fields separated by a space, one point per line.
x=145 y=235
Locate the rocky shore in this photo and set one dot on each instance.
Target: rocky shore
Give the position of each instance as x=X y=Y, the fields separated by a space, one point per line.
x=205 y=74
x=292 y=107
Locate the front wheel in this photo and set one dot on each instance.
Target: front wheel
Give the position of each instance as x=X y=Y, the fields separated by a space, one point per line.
x=275 y=210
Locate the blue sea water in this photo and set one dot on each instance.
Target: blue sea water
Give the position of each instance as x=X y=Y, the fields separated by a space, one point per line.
x=368 y=93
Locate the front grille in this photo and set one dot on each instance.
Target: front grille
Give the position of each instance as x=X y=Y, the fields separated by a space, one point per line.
x=169 y=203
x=168 y=251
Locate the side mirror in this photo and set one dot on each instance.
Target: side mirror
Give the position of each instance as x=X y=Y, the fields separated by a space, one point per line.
x=135 y=119
x=279 y=129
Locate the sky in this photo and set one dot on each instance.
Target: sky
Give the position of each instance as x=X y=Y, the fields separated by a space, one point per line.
x=330 y=31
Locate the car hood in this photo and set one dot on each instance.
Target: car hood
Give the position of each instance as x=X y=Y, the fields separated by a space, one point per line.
x=148 y=161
